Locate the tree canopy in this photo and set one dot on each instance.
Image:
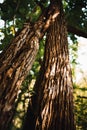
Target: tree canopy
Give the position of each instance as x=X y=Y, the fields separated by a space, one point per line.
x=16 y=12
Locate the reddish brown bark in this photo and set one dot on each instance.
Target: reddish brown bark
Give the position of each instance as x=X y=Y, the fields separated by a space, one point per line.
x=55 y=95
x=51 y=108
x=17 y=60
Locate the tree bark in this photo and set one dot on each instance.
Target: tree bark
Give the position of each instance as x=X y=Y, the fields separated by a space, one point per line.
x=17 y=60
x=51 y=108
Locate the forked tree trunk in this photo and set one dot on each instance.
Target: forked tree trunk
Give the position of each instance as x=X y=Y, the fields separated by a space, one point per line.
x=17 y=60
x=51 y=108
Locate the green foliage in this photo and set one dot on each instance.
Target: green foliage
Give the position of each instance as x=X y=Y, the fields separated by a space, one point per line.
x=76 y=13
x=80 y=94
x=73 y=49
x=73 y=46
x=17 y=8
x=34 y=15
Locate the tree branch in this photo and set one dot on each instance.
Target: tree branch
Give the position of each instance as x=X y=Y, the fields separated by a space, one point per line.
x=82 y=97
x=76 y=31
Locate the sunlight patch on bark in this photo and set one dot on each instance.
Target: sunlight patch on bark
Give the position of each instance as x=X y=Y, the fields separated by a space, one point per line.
x=52 y=73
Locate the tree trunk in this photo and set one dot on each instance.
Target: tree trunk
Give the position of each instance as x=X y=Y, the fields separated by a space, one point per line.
x=17 y=60
x=51 y=108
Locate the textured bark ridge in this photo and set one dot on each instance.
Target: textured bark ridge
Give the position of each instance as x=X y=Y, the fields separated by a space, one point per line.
x=55 y=100
x=52 y=106
x=17 y=60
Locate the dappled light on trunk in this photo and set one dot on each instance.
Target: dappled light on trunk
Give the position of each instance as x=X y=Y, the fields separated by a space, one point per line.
x=55 y=102
x=51 y=108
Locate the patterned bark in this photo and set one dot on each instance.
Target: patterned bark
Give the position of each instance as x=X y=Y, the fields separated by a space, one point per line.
x=52 y=106
x=55 y=100
x=17 y=60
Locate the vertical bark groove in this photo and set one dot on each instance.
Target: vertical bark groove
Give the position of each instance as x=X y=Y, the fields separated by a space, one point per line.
x=55 y=93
